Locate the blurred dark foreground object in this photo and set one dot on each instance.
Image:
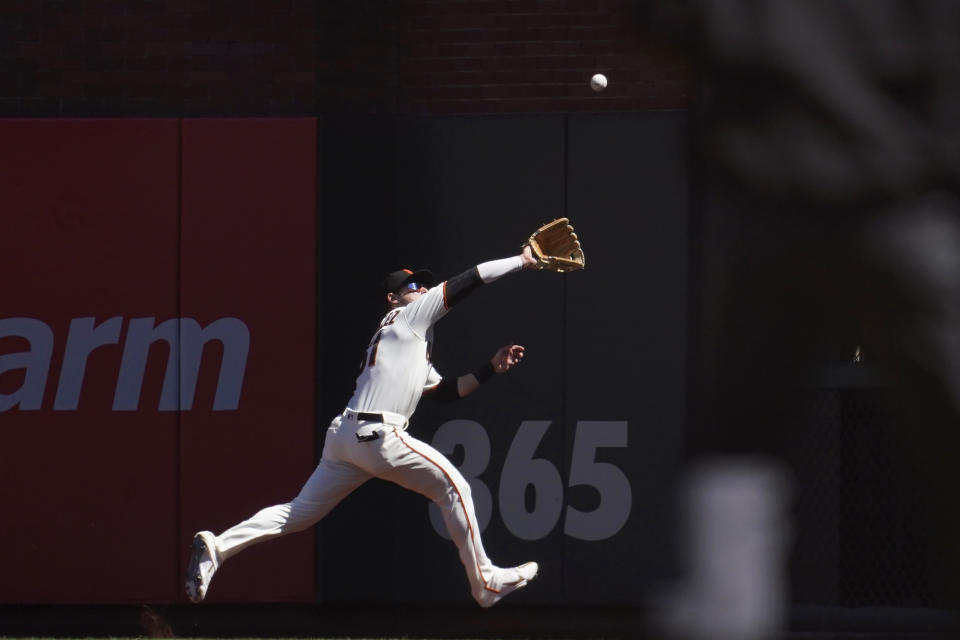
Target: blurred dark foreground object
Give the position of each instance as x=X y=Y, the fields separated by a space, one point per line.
x=830 y=130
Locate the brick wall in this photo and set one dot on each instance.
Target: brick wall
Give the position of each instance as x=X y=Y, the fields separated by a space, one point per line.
x=306 y=57
x=492 y=56
x=157 y=57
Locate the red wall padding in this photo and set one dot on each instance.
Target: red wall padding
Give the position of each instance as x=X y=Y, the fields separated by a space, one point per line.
x=249 y=227
x=153 y=220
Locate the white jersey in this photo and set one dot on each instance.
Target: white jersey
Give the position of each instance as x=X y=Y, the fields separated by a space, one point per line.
x=397 y=369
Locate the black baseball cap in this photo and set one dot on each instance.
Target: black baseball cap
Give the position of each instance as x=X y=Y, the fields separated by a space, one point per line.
x=399 y=278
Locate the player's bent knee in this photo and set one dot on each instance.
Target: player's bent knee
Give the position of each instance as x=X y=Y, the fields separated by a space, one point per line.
x=454 y=495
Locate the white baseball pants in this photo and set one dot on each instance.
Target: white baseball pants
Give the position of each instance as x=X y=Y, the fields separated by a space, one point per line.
x=347 y=463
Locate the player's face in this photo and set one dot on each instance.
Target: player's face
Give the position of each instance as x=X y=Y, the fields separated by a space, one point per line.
x=409 y=292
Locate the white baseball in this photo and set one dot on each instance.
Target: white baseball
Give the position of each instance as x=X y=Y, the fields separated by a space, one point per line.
x=598 y=82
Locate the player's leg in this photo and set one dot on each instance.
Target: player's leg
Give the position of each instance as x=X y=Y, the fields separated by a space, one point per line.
x=328 y=485
x=331 y=481
x=417 y=466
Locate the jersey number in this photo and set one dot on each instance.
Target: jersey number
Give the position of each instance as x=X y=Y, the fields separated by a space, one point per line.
x=375 y=343
x=372 y=360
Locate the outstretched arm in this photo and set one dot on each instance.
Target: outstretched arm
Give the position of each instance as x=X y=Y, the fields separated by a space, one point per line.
x=460 y=286
x=438 y=301
x=502 y=361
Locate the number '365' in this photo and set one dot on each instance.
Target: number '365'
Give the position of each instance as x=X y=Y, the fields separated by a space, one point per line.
x=522 y=471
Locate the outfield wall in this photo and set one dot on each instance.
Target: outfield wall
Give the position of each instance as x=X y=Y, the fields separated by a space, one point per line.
x=156 y=335
x=192 y=298
x=572 y=454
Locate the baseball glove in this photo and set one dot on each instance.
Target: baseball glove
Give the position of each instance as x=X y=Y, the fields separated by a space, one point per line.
x=556 y=248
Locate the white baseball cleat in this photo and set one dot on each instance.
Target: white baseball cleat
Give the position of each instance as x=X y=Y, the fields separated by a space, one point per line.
x=506 y=582
x=204 y=562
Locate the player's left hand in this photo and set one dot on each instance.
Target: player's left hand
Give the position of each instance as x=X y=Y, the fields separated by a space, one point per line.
x=506 y=357
x=529 y=262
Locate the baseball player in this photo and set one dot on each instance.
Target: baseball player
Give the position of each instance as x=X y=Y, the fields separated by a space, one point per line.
x=370 y=439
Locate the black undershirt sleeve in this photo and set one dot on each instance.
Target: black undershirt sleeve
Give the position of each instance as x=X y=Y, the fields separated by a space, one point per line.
x=446 y=392
x=460 y=286
x=455 y=289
